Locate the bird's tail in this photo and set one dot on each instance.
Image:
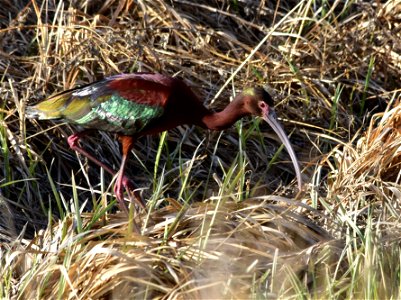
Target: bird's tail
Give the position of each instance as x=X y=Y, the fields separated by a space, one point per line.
x=51 y=108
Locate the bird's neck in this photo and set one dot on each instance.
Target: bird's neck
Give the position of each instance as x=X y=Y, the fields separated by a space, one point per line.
x=225 y=118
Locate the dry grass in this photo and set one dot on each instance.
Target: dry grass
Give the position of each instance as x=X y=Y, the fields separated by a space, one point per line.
x=222 y=221
x=213 y=252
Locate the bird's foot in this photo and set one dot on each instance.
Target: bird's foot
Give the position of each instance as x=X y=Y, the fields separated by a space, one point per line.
x=73 y=140
x=126 y=183
x=119 y=192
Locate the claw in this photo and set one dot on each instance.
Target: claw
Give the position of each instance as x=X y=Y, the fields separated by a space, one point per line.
x=118 y=191
x=124 y=182
x=73 y=141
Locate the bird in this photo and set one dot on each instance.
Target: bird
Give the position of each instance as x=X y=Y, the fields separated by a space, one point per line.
x=139 y=104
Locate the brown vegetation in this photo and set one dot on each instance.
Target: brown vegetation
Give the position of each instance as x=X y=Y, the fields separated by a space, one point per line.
x=222 y=221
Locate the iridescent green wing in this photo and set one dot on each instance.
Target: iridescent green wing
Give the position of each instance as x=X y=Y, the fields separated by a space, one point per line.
x=117 y=114
x=124 y=103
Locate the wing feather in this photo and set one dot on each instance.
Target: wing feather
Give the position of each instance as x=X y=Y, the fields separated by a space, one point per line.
x=142 y=88
x=123 y=103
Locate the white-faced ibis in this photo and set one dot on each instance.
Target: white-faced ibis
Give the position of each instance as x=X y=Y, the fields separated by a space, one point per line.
x=134 y=105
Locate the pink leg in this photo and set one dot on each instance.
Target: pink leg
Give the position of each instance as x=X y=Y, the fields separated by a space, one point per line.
x=119 y=185
x=73 y=143
x=122 y=181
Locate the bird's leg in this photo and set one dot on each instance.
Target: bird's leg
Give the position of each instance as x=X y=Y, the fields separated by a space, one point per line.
x=73 y=143
x=122 y=181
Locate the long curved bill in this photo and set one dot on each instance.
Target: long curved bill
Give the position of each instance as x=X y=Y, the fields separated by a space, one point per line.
x=270 y=118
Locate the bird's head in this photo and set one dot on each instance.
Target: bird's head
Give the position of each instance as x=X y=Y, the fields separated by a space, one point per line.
x=256 y=101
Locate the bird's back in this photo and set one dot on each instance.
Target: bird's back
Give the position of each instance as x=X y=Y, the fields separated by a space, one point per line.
x=124 y=103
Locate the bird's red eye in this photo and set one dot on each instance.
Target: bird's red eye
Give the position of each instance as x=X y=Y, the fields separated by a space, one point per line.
x=262 y=105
